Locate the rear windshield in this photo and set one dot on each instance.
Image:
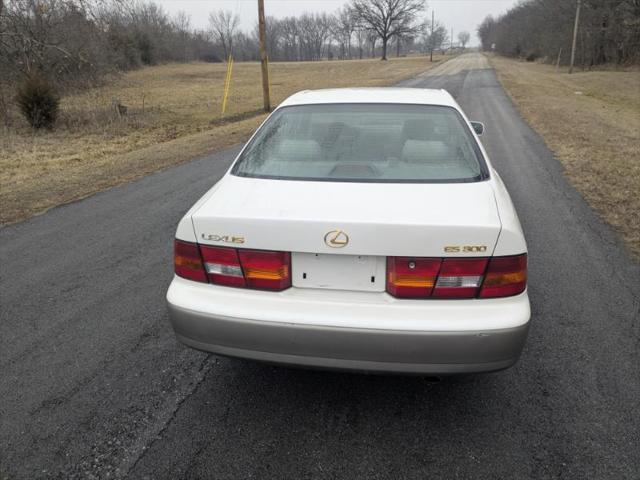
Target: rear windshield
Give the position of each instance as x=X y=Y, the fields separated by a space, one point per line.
x=364 y=143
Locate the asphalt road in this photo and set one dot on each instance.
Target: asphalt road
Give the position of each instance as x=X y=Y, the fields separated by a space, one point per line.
x=93 y=384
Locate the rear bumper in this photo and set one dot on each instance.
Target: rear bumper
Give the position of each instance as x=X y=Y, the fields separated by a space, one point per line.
x=259 y=326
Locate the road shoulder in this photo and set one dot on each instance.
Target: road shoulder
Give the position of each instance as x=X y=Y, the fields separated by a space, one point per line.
x=590 y=120
x=91 y=151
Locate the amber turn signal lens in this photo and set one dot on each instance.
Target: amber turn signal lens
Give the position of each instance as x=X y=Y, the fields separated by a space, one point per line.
x=187 y=262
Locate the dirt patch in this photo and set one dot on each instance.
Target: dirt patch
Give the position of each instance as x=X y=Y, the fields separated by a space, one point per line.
x=591 y=120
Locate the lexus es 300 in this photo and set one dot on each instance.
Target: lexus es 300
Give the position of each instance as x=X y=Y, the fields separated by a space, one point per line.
x=358 y=229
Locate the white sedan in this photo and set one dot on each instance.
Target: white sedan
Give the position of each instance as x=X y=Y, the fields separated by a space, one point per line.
x=358 y=229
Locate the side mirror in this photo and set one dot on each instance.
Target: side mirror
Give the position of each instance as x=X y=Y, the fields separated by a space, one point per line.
x=478 y=127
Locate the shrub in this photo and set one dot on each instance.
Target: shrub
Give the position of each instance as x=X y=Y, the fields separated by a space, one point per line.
x=38 y=101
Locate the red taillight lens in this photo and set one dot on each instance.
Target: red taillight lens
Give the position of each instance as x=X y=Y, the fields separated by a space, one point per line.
x=222 y=266
x=255 y=269
x=493 y=277
x=187 y=262
x=411 y=277
x=460 y=277
x=266 y=270
x=506 y=276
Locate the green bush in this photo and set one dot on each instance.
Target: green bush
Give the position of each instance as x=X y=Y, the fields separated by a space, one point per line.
x=38 y=101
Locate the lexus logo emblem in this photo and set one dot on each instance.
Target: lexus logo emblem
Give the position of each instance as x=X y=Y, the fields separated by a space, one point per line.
x=336 y=239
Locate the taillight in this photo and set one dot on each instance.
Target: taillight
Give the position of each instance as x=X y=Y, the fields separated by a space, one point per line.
x=411 y=277
x=460 y=277
x=256 y=269
x=266 y=270
x=187 y=262
x=506 y=276
x=493 y=277
x=222 y=266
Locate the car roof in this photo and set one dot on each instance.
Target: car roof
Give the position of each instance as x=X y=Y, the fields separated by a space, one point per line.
x=415 y=96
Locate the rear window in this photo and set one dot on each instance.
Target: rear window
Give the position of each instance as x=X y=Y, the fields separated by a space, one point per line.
x=364 y=143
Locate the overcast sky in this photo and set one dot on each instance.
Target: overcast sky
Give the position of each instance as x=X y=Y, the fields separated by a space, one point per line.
x=459 y=14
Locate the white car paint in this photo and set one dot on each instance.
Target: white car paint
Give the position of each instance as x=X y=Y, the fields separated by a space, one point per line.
x=352 y=309
x=381 y=219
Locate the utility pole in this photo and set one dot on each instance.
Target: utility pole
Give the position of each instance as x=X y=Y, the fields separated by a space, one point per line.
x=451 y=38
x=263 y=57
x=432 y=17
x=575 y=37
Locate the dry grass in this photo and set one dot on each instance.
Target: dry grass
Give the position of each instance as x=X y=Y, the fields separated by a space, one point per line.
x=591 y=120
x=173 y=116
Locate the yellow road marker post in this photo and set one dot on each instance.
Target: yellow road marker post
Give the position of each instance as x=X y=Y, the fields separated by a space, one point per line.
x=227 y=85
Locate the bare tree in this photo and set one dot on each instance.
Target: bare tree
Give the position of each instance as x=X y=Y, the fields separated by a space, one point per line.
x=372 y=38
x=273 y=36
x=182 y=26
x=343 y=28
x=290 y=38
x=223 y=27
x=360 y=34
x=48 y=37
x=463 y=38
x=389 y=18
x=76 y=42
x=609 y=31
x=433 y=37
x=314 y=30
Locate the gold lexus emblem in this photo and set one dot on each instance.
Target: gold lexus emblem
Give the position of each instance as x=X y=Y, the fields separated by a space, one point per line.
x=336 y=239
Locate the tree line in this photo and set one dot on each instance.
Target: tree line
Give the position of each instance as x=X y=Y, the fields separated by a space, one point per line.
x=360 y=29
x=73 y=43
x=76 y=41
x=608 y=32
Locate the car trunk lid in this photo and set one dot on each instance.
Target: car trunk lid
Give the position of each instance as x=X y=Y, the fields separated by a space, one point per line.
x=340 y=233
x=372 y=218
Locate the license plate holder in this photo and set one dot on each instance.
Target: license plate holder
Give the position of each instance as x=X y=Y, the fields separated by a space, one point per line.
x=364 y=273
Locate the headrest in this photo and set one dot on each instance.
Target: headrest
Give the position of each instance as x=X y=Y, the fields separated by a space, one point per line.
x=418 y=129
x=425 y=152
x=298 y=150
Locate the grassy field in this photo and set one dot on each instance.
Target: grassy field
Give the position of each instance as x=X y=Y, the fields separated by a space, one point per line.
x=591 y=120
x=173 y=116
